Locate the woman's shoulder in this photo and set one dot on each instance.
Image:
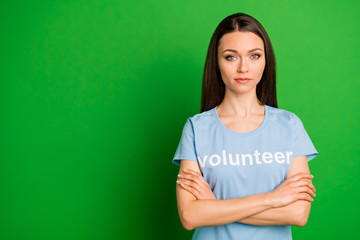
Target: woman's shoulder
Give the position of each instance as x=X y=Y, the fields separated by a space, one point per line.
x=203 y=117
x=283 y=115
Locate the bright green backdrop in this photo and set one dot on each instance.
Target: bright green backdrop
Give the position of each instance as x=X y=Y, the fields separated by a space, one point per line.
x=94 y=95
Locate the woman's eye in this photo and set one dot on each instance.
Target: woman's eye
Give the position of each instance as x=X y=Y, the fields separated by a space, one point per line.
x=230 y=57
x=255 y=56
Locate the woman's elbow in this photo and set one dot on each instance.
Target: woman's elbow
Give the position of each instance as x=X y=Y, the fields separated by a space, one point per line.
x=187 y=226
x=301 y=222
x=302 y=217
x=186 y=220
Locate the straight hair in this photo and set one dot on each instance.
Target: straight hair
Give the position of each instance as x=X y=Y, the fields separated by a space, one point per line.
x=213 y=87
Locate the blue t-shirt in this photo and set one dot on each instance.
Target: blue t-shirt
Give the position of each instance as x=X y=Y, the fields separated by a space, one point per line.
x=240 y=164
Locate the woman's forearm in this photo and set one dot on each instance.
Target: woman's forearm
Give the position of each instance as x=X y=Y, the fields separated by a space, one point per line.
x=296 y=214
x=213 y=212
x=196 y=210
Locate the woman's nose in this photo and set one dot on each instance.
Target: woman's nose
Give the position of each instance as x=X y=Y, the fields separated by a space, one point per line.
x=242 y=66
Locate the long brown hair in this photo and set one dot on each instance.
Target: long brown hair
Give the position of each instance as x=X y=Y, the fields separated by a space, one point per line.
x=213 y=88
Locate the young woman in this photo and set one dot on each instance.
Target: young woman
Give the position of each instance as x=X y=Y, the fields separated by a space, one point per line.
x=243 y=162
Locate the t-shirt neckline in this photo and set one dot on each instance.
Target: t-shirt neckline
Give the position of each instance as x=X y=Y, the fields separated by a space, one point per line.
x=234 y=133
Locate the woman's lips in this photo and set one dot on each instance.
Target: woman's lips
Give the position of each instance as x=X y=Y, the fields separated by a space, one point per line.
x=242 y=80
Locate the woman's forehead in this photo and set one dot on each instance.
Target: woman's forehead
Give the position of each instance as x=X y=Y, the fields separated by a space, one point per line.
x=241 y=41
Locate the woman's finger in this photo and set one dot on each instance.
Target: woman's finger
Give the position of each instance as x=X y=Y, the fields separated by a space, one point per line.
x=188 y=188
x=194 y=175
x=299 y=176
x=304 y=183
x=198 y=179
x=188 y=177
x=190 y=184
x=200 y=191
x=306 y=197
x=307 y=190
x=197 y=175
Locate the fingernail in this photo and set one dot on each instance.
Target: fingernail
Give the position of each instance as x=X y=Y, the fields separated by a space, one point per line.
x=314 y=194
x=185 y=170
x=312 y=176
x=178 y=181
x=179 y=175
x=312 y=199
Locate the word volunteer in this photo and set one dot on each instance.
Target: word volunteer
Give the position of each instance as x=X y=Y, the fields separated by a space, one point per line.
x=246 y=159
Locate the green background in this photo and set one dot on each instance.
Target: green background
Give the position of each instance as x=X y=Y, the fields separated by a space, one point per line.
x=94 y=95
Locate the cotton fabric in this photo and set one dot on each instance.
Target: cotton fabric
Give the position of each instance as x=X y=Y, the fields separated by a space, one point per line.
x=240 y=164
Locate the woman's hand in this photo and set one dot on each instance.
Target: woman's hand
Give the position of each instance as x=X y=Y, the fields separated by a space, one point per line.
x=194 y=183
x=296 y=187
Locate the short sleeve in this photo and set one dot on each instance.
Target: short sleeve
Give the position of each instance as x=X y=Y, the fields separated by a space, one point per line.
x=186 y=147
x=302 y=142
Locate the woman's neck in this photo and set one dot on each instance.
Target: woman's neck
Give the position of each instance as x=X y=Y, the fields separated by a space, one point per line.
x=240 y=104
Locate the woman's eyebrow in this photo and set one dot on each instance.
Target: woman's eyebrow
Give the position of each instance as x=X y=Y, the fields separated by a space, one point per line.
x=252 y=50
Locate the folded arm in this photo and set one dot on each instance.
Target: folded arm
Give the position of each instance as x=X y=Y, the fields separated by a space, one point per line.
x=212 y=212
x=296 y=213
x=196 y=212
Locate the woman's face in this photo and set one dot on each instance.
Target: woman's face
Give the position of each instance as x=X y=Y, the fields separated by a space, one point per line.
x=241 y=55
